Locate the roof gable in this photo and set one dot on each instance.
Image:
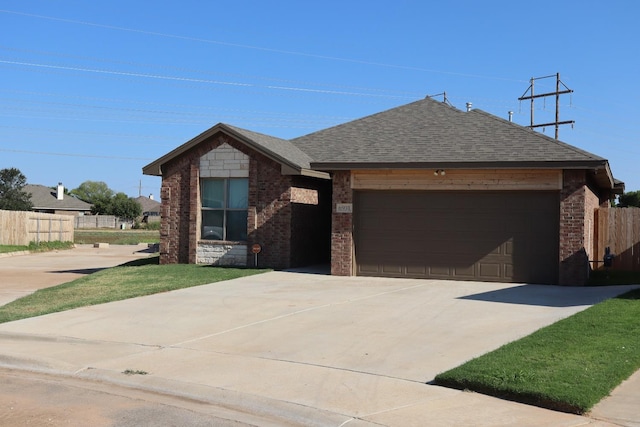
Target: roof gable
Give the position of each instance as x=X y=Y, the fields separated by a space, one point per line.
x=292 y=159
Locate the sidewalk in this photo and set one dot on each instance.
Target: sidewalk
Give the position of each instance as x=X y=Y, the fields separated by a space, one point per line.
x=299 y=349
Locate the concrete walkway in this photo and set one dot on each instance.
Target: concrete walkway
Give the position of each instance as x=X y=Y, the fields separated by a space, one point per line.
x=288 y=348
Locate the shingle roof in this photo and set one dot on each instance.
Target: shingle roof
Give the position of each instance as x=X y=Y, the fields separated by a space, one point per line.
x=147 y=204
x=279 y=147
x=430 y=132
x=280 y=150
x=46 y=198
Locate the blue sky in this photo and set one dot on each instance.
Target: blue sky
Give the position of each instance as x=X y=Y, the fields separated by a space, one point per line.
x=96 y=90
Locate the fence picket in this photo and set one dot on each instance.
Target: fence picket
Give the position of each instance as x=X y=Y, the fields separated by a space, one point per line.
x=619 y=229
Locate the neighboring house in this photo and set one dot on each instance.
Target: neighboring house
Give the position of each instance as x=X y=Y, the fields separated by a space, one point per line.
x=421 y=190
x=150 y=208
x=48 y=200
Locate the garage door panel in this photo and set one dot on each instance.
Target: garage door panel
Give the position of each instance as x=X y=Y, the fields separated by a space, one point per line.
x=496 y=236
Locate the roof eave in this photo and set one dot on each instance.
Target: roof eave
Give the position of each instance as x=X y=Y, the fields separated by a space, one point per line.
x=333 y=166
x=155 y=168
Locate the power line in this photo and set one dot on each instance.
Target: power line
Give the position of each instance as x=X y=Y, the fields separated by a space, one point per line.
x=245 y=46
x=91 y=156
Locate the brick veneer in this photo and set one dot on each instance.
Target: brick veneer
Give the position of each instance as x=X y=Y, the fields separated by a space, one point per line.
x=269 y=211
x=342 y=226
x=577 y=205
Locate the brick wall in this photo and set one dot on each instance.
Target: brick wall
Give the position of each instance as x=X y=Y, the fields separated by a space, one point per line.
x=174 y=232
x=342 y=226
x=269 y=222
x=269 y=214
x=574 y=207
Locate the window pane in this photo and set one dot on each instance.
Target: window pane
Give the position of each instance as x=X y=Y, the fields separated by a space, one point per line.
x=212 y=225
x=238 y=193
x=212 y=193
x=237 y=225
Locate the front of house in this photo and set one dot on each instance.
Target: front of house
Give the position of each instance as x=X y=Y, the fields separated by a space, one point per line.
x=422 y=190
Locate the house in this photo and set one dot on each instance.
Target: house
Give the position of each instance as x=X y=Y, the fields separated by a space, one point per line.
x=150 y=208
x=422 y=190
x=55 y=201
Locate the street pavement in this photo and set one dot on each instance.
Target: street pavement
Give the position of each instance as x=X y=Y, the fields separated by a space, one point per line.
x=291 y=348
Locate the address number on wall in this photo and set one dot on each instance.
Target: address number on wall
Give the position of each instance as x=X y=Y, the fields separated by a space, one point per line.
x=344 y=207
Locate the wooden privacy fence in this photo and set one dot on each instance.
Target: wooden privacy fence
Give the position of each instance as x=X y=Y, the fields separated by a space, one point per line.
x=619 y=230
x=20 y=228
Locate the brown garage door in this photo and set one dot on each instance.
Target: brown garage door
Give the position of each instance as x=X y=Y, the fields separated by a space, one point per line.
x=489 y=236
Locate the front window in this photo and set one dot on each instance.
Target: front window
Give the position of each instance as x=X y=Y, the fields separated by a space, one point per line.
x=224 y=208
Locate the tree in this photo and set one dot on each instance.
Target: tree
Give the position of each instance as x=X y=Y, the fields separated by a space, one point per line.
x=124 y=207
x=629 y=199
x=12 y=196
x=97 y=193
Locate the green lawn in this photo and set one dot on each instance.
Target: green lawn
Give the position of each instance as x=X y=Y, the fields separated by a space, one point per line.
x=116 y=237
x=138 y=278
x=36 y=247
x=4 y=249
x=568 y=366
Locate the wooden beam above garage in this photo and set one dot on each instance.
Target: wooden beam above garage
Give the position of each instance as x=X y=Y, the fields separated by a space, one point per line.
x=458 y=179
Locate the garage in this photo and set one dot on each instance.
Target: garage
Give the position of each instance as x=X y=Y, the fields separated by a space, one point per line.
x=500 y=236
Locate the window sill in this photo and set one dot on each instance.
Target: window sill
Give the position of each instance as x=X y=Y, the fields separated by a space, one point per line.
x=223 y=242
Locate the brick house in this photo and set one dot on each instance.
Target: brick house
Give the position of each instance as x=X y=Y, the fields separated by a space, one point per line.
x=421 y=190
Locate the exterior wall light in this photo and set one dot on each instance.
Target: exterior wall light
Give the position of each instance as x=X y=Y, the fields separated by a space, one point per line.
x=440 y=172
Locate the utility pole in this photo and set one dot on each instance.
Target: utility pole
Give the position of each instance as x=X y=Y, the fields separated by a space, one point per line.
x=557 y=94
x=445 y=100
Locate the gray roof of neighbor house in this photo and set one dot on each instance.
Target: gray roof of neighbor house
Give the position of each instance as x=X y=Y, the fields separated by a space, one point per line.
x=292 y=159
x=147 y=204
x=46 y=198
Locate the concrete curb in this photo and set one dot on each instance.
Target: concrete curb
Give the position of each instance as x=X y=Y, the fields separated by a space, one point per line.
x=17 y=253
x=231 y=404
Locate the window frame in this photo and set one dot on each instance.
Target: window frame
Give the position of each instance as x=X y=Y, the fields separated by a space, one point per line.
x=224 y=209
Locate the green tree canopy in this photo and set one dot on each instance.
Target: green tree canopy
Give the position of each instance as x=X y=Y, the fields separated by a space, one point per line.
x=629 y=199
x=124 y=207
x=12 y=196
x=97 y=193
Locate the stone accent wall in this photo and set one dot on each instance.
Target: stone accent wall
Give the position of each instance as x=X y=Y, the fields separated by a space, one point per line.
x=342 y=226
x=224 y=162
x=574 y=261
x=221 y=254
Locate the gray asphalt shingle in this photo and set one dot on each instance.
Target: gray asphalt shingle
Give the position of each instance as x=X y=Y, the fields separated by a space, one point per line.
x=428 y=131
x=45 y=198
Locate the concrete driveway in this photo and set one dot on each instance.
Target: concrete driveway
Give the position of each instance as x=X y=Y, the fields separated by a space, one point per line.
x=287 y=348
x=23 y=273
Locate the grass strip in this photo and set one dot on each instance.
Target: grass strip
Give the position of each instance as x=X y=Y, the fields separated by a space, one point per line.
x=116 y=237
x=5 y=249
x=36 y=247
x=568 y=366
x=138 y=278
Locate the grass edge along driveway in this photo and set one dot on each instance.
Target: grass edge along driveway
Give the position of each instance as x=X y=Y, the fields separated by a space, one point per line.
x=130 y=280
x=568 y=366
